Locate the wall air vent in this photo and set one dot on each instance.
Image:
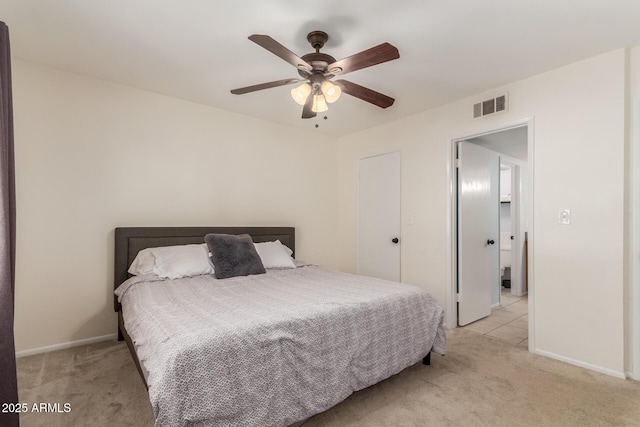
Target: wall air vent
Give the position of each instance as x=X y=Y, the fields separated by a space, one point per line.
x=490 y=106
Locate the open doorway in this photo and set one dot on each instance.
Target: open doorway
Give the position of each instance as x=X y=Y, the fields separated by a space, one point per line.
x=511 y=237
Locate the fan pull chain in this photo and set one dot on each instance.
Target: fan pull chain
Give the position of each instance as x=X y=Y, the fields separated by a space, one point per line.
x=317 y=125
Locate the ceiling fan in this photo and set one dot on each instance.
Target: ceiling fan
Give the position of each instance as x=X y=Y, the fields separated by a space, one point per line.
x=317 y=69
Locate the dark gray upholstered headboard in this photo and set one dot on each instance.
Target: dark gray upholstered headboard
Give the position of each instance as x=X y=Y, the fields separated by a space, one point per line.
x=131 y=240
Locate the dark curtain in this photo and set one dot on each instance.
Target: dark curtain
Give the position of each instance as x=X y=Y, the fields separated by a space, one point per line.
x=8 y=379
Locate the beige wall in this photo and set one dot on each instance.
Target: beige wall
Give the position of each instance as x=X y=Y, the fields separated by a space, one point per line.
x=578 y=160
x=91 y=156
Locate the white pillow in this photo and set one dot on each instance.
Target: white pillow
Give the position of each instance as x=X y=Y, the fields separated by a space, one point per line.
x=143 y=263
x=286 y=248
x=174 y=262
x=275 y=255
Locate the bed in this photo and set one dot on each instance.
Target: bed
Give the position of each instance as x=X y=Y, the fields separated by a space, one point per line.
x=269 y=349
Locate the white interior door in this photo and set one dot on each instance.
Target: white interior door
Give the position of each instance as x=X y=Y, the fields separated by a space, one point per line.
x=379 y=217
x=477 y=230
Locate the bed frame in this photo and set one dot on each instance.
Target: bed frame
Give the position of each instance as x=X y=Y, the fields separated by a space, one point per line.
x=131 y=240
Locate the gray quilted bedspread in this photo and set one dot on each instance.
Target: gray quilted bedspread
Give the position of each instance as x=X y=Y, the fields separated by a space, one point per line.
x=272 y=349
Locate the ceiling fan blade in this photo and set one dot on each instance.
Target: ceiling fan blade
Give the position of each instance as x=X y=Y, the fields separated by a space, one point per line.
x=376 y=55
x=277 y=49
x=307 y=111
x=261 y=86
x=366 y=94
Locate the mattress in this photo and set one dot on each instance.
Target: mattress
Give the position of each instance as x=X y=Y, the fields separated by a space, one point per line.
x=272 y=349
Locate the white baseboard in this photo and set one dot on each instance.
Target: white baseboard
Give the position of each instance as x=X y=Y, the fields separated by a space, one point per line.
x=632 y=376
x=64 y=345
x=581 y=364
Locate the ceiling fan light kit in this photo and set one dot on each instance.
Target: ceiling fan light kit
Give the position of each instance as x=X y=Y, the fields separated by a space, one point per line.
x=317 y=69
x=328 y=93
x=331 y=92
x=300 y=93
x=319 y=104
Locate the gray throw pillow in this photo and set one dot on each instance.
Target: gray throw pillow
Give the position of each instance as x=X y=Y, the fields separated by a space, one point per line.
x=233 y=255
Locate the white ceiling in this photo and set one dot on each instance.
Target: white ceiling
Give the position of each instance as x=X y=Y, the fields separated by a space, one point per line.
x=198 y=50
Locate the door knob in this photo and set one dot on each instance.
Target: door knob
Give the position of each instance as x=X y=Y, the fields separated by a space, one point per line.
x=490 y=242
x=395 y=240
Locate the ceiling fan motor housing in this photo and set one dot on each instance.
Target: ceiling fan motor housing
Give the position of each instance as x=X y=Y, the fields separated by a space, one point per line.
x=318 y=61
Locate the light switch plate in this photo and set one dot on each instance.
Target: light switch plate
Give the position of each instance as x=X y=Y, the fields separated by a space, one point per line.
x=564 y=216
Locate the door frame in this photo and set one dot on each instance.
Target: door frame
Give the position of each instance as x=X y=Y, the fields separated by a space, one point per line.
x=528 y=207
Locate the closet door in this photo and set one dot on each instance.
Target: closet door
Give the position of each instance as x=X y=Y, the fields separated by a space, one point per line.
x=379 y=217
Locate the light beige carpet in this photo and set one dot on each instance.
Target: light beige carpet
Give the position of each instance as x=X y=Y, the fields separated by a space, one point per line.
x=480 y=382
